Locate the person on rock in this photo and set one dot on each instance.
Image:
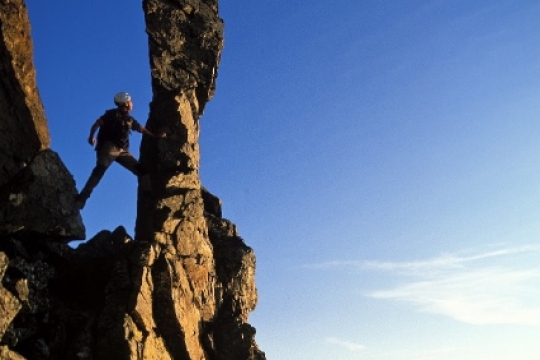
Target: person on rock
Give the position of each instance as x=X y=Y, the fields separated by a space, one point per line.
x=112 y=144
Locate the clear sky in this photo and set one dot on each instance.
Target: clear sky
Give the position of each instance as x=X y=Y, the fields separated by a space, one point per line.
x=382 y=157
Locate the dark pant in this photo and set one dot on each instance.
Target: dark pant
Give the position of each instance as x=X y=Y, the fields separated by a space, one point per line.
x=107 y=154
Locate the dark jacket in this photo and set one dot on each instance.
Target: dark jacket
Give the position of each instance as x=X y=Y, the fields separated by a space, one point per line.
x=116 y=128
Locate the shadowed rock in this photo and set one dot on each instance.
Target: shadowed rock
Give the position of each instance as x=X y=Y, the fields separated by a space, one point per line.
x=39 y=201
x=23 y=130
x=36 y=190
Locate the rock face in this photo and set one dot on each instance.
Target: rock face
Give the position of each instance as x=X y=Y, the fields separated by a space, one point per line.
x=44 y=189
x=33 y=179
x=185 y=287
x=23 y=130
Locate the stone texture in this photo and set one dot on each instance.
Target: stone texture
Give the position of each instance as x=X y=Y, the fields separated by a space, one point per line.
x=210 y=270
x=9 y=304
x=183 y=290
x=7 y=354
x=233 y=337
x=40 y=200
x=23 y=126
x=36 y=190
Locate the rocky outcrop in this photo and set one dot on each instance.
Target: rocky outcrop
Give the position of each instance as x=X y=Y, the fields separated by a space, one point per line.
x=44 y=189
x=34 y=183
x=23 y=127
x=184 y=288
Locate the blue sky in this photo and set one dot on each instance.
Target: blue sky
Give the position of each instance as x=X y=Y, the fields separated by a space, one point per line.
x=381 y=157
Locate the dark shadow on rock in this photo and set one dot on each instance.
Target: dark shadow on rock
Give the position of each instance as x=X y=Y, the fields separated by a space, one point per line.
x=164 y=310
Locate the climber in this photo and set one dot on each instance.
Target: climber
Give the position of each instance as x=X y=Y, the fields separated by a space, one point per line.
x=113 y=145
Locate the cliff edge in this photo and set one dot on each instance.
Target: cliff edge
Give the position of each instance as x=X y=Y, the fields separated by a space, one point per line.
x=183 y=289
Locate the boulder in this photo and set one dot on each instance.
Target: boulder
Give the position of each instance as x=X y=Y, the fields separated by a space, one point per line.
x=40 y=201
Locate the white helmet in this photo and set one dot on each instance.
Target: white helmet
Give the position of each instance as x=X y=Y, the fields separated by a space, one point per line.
x=121 y=98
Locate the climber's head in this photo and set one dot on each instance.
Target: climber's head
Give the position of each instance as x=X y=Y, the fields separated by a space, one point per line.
x=123 y=101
